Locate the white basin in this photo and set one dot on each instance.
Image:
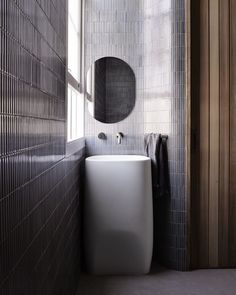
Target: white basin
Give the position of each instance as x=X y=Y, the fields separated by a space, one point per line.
x=118 y=214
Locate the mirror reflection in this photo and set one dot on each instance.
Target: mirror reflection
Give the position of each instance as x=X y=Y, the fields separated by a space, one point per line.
x=110 y=90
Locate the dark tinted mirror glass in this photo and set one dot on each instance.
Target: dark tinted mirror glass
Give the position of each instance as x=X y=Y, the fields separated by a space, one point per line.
x=110 y=89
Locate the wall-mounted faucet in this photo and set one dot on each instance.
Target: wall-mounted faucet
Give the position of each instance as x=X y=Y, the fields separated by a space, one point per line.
x=119 y=137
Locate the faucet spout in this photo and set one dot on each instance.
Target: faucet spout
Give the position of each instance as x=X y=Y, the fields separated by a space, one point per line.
x=119 y=137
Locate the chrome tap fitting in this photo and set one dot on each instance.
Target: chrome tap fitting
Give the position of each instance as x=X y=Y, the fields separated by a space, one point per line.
x=119 y=137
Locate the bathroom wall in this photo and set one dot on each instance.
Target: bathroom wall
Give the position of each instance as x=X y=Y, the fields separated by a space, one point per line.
x=115 y=28
x=150 y=37
x=164 y=112
x=41 y=177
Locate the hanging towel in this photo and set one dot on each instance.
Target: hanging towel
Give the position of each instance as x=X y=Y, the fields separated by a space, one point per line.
x=156 y=149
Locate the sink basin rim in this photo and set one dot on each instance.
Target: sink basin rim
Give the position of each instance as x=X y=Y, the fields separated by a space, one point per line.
x=117 y=158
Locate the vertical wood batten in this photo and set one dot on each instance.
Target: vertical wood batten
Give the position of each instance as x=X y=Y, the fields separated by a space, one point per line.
x=214 y=134
x=217 y=125
x=187 y=121
x=232 y=215
x=204 y=135
x=224 y=135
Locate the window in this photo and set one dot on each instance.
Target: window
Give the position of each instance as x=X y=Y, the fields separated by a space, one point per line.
x=74 y=38
x=75 y=99
x=75 y=114
x=90 y=89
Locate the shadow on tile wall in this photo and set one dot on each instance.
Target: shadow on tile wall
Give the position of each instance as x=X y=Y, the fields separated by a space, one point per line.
x=150 y=36
x=40 y=183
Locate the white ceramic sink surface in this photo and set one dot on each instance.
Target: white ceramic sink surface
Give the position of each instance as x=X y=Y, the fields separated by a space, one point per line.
x=118 y=214
x=108 y=158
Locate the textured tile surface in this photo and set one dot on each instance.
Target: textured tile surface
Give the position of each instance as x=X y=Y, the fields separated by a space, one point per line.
x=115 y=28
x=150 y=36
x=39 y=184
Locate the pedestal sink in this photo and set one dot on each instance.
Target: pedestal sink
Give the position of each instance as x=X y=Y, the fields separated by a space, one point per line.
x=118 y=216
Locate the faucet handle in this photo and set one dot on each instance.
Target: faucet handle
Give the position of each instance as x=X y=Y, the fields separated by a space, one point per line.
x=102 y=135
x=119 y=136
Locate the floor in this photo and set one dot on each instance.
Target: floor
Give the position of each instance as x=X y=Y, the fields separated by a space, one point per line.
x=163 y=282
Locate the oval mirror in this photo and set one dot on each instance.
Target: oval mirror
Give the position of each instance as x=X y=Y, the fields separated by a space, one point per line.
x=110 y=89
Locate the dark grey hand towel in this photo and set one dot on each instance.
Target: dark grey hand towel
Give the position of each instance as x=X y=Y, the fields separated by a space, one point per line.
x=156 y=148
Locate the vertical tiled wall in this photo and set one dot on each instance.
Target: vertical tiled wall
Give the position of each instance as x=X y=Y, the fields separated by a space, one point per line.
x=164 y=112
x=39 y=182
x=150 y=36
x=115 y=28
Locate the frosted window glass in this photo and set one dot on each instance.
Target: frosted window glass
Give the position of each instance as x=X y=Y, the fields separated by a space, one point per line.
x=75 y=105
x=75 y=115
x=74 y=38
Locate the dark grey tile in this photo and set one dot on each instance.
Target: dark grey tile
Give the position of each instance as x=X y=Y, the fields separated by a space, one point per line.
x=40 y=185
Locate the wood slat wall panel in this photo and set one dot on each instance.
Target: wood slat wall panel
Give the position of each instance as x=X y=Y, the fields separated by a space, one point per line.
x=232 y=215
x=204 y=134
x=216 y=204
x=214 y=133
x=224 y=135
